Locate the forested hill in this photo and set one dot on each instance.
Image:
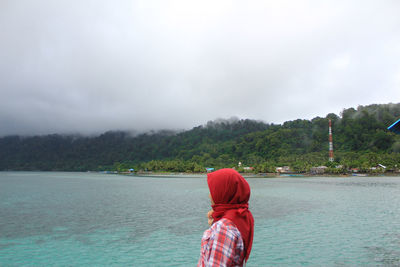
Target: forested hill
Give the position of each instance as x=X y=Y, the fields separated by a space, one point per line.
x=359 y=135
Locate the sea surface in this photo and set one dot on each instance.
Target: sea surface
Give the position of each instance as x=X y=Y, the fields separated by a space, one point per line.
x=92 y=219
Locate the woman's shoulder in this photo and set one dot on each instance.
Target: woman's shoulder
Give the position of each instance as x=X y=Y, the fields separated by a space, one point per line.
x=224 y=222
x=222 y=227
x=225 y=225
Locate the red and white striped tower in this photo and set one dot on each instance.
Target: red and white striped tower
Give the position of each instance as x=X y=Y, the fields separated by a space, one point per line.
x=330 y=142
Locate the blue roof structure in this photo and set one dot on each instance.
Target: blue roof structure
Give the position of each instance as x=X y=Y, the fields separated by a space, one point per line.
x=395 y=127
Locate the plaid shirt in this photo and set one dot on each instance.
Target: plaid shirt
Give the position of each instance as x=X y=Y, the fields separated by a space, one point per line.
x=221 y=245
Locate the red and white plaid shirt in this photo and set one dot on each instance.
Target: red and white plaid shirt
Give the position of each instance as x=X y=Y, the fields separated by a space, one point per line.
x=221 y=245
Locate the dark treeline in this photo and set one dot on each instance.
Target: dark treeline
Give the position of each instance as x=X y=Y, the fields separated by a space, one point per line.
x=360 y=141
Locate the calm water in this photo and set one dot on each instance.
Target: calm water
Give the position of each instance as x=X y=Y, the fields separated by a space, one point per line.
x=80 y=219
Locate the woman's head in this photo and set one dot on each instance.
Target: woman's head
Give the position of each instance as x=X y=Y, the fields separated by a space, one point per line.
x=227 y=186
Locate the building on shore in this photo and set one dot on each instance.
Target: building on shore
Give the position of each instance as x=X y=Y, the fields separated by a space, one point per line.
x=318 y=170
x=284 y=169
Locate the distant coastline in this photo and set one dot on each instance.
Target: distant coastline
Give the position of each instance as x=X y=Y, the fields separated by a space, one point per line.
x=359 y=143
x=259 y=175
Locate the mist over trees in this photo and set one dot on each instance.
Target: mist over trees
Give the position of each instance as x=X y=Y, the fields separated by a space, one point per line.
x=360 y=136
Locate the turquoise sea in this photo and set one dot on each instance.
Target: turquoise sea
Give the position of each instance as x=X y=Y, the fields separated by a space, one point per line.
x=91 y=219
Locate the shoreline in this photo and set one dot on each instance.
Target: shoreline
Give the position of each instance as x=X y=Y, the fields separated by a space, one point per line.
x=246 y=174
x=262 y=175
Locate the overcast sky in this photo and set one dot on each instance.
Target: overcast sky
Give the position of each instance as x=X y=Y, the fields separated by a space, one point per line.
x=92 y=66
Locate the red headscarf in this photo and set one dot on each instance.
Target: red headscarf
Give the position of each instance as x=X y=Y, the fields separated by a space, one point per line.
x=230 y=193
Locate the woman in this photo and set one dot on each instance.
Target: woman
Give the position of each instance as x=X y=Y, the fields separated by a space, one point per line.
x=229 y=239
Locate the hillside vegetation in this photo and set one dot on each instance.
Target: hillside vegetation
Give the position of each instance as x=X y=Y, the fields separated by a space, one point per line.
x=360 y=138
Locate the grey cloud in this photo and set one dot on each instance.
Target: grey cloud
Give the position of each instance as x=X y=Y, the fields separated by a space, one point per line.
x=93 y=66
